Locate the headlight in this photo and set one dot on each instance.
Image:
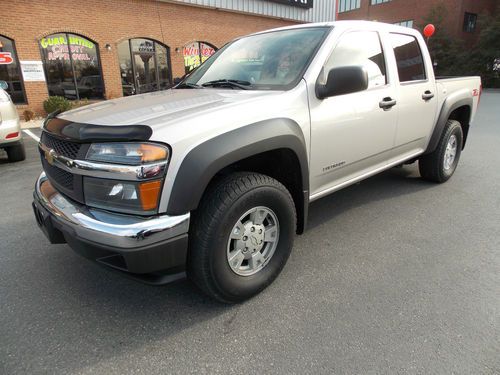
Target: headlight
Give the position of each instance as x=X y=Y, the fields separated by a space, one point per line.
x=147 y=161
x=127 y=153
x=122 y=196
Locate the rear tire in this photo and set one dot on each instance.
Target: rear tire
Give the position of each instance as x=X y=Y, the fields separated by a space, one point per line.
x=439 y=165
x=228 y=259
x=16 y=153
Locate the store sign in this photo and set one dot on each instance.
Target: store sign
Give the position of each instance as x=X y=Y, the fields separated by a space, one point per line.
x=146 y=47
x=296 y=3
x=206 y=51
x=61 y=40
x=195 y=54
x=32 y=71
x=6 y=58
x=58 y=48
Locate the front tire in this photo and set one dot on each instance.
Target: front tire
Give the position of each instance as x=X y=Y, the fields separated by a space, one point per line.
x=439 y=165
x=241 y=236
x=16 y=153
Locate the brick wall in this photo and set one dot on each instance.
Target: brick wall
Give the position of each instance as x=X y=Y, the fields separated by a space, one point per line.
x=111 y=21
x=417 y=10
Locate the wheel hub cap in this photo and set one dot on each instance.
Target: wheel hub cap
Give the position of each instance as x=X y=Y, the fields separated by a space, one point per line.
x=252 y=241
x=450 y=152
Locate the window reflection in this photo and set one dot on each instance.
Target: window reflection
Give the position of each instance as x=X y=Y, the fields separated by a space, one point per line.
x=72 y=66
x=196 y=53
x=144 y=66
x=10 y=70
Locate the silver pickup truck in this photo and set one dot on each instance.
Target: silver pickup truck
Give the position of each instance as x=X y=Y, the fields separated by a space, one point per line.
x=213 y=178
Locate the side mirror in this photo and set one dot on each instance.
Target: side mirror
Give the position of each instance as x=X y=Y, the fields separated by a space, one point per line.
x=4 y=85
x=343 y=80
x=177 y=80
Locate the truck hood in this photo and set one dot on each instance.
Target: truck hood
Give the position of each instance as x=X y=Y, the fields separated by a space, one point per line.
x=162 y=107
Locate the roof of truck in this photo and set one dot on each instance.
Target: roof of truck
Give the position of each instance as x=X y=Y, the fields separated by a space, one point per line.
x=349 y=25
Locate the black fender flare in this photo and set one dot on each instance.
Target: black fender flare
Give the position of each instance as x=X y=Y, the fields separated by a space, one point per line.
x=204 y=161
x=460 y=99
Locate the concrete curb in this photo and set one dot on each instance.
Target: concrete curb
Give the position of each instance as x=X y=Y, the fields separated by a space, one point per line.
x=31 y=124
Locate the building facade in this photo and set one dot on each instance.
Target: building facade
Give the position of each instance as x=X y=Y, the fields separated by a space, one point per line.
x=106 y=49
x=461 y=19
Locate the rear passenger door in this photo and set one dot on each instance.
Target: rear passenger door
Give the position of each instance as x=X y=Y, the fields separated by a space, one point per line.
x=417 y=98
x=352 y=134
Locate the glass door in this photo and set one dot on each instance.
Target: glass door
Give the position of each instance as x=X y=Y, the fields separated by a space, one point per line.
x=145 y=73
x=144 y=66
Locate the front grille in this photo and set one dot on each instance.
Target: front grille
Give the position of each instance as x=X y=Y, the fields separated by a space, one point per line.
x=65 y=182
x=61 y=177
x=62 y=147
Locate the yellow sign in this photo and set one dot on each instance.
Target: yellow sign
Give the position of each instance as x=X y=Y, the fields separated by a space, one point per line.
x=61 y=40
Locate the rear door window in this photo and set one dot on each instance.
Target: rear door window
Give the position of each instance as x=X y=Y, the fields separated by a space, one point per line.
x=409 y=58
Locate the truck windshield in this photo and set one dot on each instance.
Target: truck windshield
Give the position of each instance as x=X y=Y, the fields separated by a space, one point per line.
x=269 y=61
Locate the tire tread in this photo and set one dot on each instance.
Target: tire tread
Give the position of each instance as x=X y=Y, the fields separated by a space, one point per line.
x=215 y=203
x=430 y=165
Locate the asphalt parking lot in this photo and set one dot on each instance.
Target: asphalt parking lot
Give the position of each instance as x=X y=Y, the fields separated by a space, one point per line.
x=394 y=275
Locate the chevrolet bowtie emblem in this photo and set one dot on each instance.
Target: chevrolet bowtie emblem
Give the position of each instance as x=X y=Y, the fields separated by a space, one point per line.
x=49 y=156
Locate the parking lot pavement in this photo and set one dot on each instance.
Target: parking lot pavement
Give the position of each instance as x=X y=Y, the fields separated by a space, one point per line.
x=394 y=275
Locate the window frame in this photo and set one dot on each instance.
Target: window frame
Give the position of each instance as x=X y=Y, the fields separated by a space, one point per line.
x=344 y=2
x=405 y=83
x=98 y=54
x=467 y=17
x=405 y=22
x=388 y=75
x=20 y=71
x=378 y=2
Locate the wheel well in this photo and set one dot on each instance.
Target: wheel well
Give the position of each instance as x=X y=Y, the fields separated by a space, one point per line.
x=280 y=164
x=462 y=115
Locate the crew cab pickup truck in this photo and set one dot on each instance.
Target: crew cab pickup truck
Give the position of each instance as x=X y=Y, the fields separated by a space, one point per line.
x=213 y=178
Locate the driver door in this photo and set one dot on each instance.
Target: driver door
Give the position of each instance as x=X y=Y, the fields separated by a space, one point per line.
x=352 y=134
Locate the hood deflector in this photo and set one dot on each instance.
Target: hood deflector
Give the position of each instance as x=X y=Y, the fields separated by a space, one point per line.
x=86 y=133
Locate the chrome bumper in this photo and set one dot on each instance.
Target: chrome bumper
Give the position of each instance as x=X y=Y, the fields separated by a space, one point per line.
x=105 y=228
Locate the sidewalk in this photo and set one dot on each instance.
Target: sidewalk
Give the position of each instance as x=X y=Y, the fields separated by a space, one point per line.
x=31 y=124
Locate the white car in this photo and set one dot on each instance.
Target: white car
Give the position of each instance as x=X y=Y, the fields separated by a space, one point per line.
x=10 y=128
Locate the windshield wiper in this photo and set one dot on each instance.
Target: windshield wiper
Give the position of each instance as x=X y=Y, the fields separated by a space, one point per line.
x=187 y=85
x=244 y=85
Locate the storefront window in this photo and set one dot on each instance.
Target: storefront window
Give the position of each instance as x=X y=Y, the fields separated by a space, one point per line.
x=10 y=70
x=144 y=66
x=72 y=66
x=196 y=53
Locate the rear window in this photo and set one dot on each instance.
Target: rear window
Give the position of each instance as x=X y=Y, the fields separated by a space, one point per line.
x=408 y=58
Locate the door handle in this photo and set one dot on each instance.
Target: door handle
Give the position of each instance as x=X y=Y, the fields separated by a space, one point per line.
x=427 y=95
x=387 y=103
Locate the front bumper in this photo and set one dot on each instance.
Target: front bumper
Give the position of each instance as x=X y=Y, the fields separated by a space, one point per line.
x=151 y=249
